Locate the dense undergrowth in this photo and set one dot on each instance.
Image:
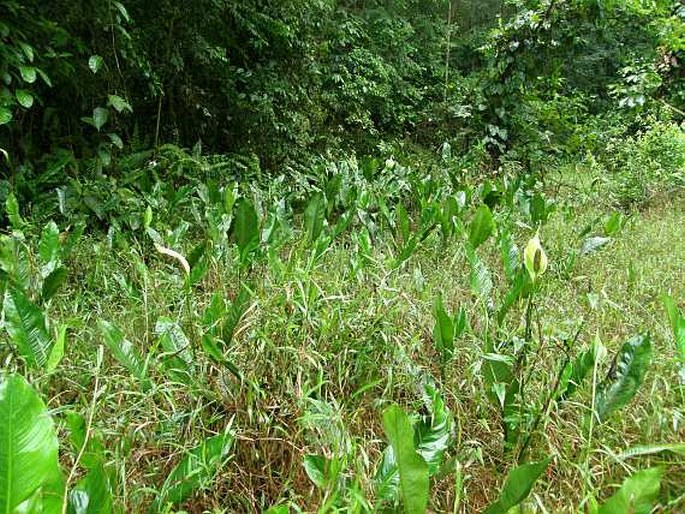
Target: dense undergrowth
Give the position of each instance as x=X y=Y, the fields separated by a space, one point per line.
x=342 y=256
x=231 y=345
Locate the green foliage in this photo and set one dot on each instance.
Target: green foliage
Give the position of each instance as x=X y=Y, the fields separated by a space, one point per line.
x=412 y=468
x=517 y=486
x=624 y=377
x=195 y=470
x=30 y=479
x=124 y=351
x=637 y=494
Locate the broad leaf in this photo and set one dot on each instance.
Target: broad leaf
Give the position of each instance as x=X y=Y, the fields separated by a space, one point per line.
x=92 y=494
x=481 y=227
x=124 y=352
x=640 y=451
x=28 y=73
x=433 y=433
x=25 y=324
x=517 y=486
x=95 y=62
x=576 y=372
x=12 y=209
x=677 y=321
x=119 y=103
x=5 y=116
x=179 y=357
x=29 y=468
x=592 y=244
x=510 y=255
x=413 y=469
x=624 y=377
x=314 y=216
x=195 y=470
x=443 y=331
x=246 y=226
x=315 y=466
x=479 y=277
x=24 y=98
x=57 y=351
x=49 y=244
x=53 y=282
x=100 y=117
x=637 y=494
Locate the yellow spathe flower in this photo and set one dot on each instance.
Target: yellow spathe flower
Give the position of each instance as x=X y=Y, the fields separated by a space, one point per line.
x=534 y=258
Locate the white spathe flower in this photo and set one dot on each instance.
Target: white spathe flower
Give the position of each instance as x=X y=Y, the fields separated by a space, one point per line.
x=535 y=258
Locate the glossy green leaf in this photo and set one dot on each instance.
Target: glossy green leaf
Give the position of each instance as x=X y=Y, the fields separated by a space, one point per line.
x=49 y=243
x=179 y=355
x=677 y=321
x=443 y=330
x=314 y=216
x=29 y=467
x=315 y=467
x=25 y=324
x=100 y=117
x=246 y=226
x=637 y=494
x=5 y=116
x=652 y=449
x=24 y=98
x=28 y=74
x=57 y=351
x=12 y=209
x=624 y=377
x=433 y=433
x=517 y=486
x=124 y=352
x=119 y=103
x=510 y=255
x=195 y=470
x=592 y=244
x=479 y=276
x=578 y=370
x=95 y=62
x=53 y=282
x=413 y=469
x=481 y=227
x=92 y=494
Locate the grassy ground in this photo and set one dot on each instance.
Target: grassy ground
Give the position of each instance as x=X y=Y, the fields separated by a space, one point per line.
x=322 y=348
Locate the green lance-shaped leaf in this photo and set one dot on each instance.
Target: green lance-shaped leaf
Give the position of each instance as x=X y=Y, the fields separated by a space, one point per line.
x=124 y=352
x=195 y=470
x=443 y=331
x=575 y=373
x=49 y=244
x=314 y=217
x=624 y=377
x=517 y=487
x=510 y=255
x=52 y=283
x=29 y=468
x=479 y=277
x=433 y=433
x=179 y=358
x=413 y=469
x=25 y=324
x=637 y=494
x=24 y=98
x=677 y=321
x=12 y=210
x=92 y=494
x=246 y=226
x=652 y=449
x=481 y=227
